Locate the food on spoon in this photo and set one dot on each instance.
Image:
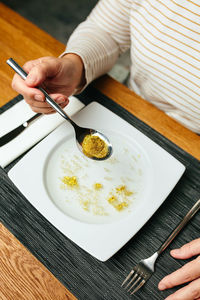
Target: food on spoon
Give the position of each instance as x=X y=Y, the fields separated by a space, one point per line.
x=94 y=146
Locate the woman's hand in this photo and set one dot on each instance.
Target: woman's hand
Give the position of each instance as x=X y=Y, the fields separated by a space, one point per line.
x=60 y=77
x=188 y=273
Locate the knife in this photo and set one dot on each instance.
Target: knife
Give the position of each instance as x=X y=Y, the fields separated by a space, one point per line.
x=15 y=132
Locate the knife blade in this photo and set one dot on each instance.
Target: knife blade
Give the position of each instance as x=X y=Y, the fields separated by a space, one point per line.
x=15 y=132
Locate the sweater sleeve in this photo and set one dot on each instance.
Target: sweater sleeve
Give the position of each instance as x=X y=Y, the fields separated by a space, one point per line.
x=102 y=37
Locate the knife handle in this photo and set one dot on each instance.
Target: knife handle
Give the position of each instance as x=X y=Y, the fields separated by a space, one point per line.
x=15 y=132
x=26 y=123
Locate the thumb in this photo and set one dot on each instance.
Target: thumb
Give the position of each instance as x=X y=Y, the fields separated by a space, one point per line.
x=188 y=250
x=39 y=73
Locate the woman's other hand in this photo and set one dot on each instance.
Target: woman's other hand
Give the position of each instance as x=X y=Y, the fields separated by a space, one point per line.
x=189 y=273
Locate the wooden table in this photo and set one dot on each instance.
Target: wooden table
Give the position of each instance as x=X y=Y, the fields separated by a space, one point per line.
x=22 y=275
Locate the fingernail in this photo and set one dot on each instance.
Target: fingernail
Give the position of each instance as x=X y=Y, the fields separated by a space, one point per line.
x=38 y=97
x=175 y=251
x=162 y=286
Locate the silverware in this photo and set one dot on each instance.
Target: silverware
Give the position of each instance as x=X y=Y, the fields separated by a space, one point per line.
x=15 y=132
x=80 y=132
x=139 y=275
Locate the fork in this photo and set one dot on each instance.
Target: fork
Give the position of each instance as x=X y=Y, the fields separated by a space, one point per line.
x=140 y=273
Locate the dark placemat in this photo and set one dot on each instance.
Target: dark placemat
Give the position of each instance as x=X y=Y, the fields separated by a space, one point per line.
x=11 y=103
x=85 y=276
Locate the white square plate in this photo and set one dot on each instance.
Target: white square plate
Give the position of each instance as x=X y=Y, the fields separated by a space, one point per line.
x=139 y=173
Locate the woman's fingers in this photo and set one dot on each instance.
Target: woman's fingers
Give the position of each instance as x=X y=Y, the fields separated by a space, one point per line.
x=38 y=70
x=59 y=98
x=188 y=250
x=35 y=98
x=189 y=292
x=46 y=110
x=19 y=85
x=41 y=71
x=188 y=272
x=32 y=63
x=44 y=107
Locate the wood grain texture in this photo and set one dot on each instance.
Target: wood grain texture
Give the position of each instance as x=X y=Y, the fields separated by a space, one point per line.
x=22 y=41
x=23 y=276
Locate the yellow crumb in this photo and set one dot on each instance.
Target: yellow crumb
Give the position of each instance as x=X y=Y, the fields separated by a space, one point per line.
x=119 y=199
x=128 y=193
x=120 y=206
x=123 y=189
x=120 y=188
x=70 y=181
x=98 y=186
x=112 y=199
x=85 y=204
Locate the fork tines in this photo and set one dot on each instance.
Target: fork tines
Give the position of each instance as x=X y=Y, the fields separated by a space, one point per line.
x=139 y=275
x=134 y=281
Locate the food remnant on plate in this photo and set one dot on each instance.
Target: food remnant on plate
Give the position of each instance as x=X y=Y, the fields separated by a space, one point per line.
x=89 y=199
x=98 y=186
x=99 y=210
x=120 y=201
x=113 y=160
x=92 y=205
x=94 y=146
x=121 y=205
x=85 y=204
x=123 y=189
x=94 y=198
x=112 y=199
x=108 y=178
x=116 y=204
x=70 y=181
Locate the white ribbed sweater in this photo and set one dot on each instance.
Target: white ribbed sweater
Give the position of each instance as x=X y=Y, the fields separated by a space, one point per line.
x=164 y=41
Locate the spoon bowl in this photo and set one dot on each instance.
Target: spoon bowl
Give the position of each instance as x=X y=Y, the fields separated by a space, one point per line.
x=80 y=132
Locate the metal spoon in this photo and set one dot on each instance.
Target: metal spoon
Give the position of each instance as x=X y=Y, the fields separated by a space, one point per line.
x=80 y=132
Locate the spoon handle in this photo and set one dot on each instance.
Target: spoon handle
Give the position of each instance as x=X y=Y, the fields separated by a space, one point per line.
x=49 y=100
